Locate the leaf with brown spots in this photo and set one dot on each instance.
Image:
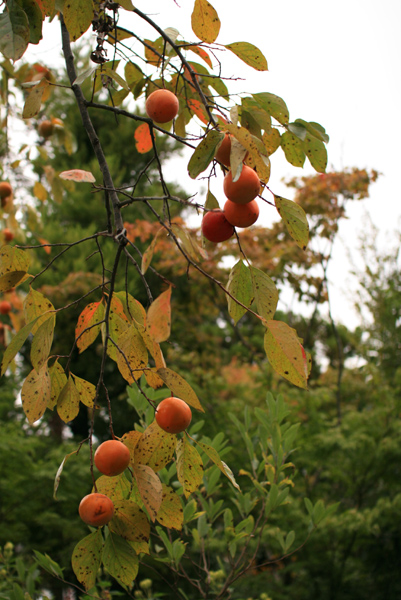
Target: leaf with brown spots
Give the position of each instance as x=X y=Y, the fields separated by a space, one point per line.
x=58 y=379
x=133 y=310
x=133 y=356
x=240 y=286
x=88 y=325
x=292 y=147
x=205 y=21
x=130 y=440
x=86 y=391
x=36 y=305
x=295 y=220
x=42 y=342
x=170 y=514
x=68 y=401
x=143 y=138
x=87 y=557
x=35 y=393
x=14 y=265
x=150 y=488
x=250 y=54
x=316 y=152
x=129 y=521
x=120 y=559
x=285 y=353
x=189 y=466
x=274 y=105
x=118 y=323
x=155 y=447
x=180 y=387
x=78 y=16
x=115 y=488
x=257 y=151
x=31 y=108
x=264 y=292
x=159 y=317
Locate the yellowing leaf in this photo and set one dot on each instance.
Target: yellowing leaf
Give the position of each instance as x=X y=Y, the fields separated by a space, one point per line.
x=88 y=325
x=189 y=244
x=285 y=353
x=179 y=387
x=133 y=356
x=271 y=140
x=189 y=466
x=118 y=323
x=35 y=393
x=68 y=401
x=86 y=391
x=170 y=513
x=159 y=317
x=36 y=305
x=255 y=148
x=250 y=54
x=78 y=175
x=86 y=558
x=274 y=105
x=214 y=457
x=148 y=254
x=58 y=380
x=154 y=448
x=40 y=191
x=293 y=150
x=42 y=342
x=316 y=151
x=264 y=292
x=205 y=21
x=33 y=102
x=150 y=488
x=120 y=559
x=14 y=265
x=130 y=521
x=115 y=488
x=240 y=286
x=143 y=138
x=78 y=16
x=295 y=220
x=15 y=345
x=59 y=471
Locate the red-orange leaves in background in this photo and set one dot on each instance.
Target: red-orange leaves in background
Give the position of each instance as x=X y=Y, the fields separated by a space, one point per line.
x=143 y=138
x=159 y=317
x=285 y=353
x=88 y=325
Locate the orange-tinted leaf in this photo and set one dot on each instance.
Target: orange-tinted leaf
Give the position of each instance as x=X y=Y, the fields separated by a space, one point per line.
x=180 y=388
x=78 y=175
x=45 y=243
x=88 y=325
x=42 y=342
x=130 y=521
x=285 y=353
x=68 y=401
x=155 y=447
x=133 y=310
x=205 y=21
x=170 y=514
x=197 y=107
x=143 y=138
x=78 y=16
x=150 y=488
x=159 y=317
x=35 y=393
x=86 y=558
x=189 y=466
x=202 y=53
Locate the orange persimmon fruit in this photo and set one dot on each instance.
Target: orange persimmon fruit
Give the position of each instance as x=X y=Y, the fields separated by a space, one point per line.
x=224 y=151
x=112 y=457
x=162 y=106
x=245 y=189
x=45 y=129
x=5 y=307
x=8 y=234
x=241 y=215
x=215 y=226
x=96 y=509
x=5 y=189
x=173 y=415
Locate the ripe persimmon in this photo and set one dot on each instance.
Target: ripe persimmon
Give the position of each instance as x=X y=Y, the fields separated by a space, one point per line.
x=215 y=226
x=162 y=106
x=5 y=307
x=241 y=215
x=8 y=234
x=245 y=189
x=173 y=415
x=224 y=151
x=96 y=509
x=112 y=458
x=45 y=129
x=5 y=189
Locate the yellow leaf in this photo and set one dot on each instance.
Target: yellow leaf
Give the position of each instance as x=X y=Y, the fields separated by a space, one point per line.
x=205 y=21
x=35 y=393
x=150 y=488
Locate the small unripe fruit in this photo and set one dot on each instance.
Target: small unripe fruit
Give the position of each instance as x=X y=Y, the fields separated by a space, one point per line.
x=112 y=458
x=45 y=129
x=5 y=307
x=245 y=189
x=224 y=150
x=96 y=509
x=241 y=215
x=215 y=226
x=8 y=235
x=162 y=106
x=5 y=189
x=173 y=415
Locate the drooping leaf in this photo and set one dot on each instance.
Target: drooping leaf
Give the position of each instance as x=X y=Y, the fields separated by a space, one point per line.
x=154 y=448
x=120 y=559
x=148 y=254
x=88 y=325
x=159 y=317
x=132 y=72
x=285 y=353
x=133 y=310
x=257 y=151
x=315 y=129
x=143 y=138
x=316 y=152
x=78 y=16
x=14 y=265
x=261 y=116
x=170 y=514
x=115 y=488
x=35 y=393
x=35 y=19
x=36 y=305
x=180 y=388
x=271 y=140
x=15 y=345
x=205 y=21
x=204 y=153
x=191 y=247
x=250 y=54
x=78 y=175
x=14 y=31
x=150 y=488
x=58 y=379
x=240 y=286
x=133 y=356
x=189 y=466
x=295 y=220
x=198 y=109
x=264 y=292
x=214 y=457
x=274 y=105
x=87 y=557
x=202 y=53
x=59 y=471
x=292 y=147
x=68 y=401
x=31 y=108
x=130 y=521
x=42 y=342
x=86 y=391
x=118 y=323
x=109 y=70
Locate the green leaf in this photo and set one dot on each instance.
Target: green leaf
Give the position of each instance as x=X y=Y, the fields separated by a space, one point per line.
x=116 y=77
x=87 y=557
x=35 y=393
x=14 y=31
x=285 y=353
x=78 y=16
x=16 y=344
x=48 y=564
x=240 y=286
x=59 y=471
x=127 y=4
x=120 y=559
x=295 y=220
x=189 y=466
x=204 y=153
x=271 y=140
x=293 y=150
x=264 y=292
x=214 y=457
x=211 y=201
x=316 y=151
x=35 y=19
x=179 y=387
x=205 y=21
x=261 y=116
x=250 y=54
x=274 y=105
x=315 y=129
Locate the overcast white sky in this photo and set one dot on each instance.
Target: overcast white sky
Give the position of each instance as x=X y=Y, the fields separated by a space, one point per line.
x=334 y=63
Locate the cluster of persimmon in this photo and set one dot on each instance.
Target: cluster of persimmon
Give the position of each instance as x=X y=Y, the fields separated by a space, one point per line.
x=112 y=457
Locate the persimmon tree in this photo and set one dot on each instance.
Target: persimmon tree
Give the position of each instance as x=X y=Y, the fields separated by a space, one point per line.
x=132 y=333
